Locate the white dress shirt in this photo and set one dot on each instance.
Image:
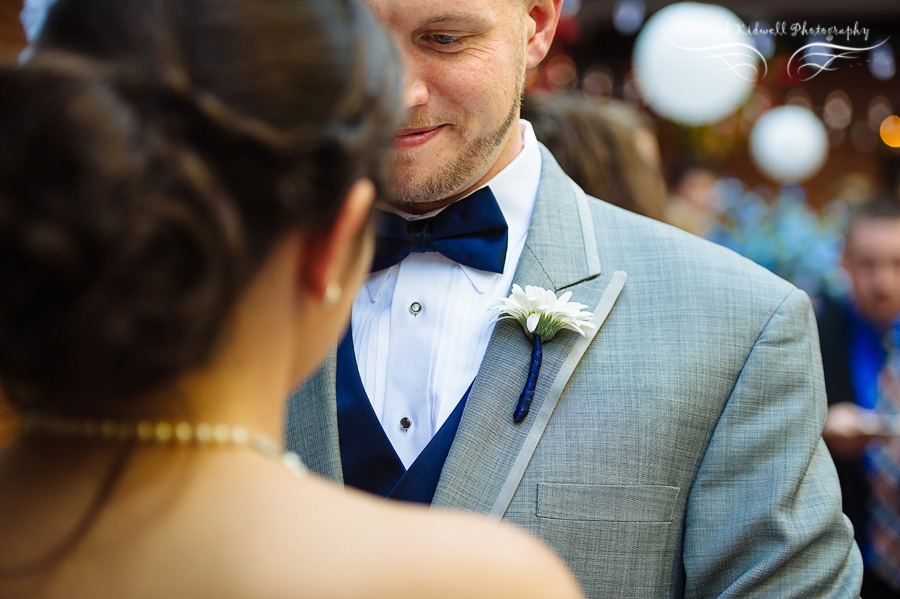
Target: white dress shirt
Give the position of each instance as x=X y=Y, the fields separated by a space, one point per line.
x=421 y=327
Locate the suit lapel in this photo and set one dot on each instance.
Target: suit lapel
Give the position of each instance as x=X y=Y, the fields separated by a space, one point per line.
x=312 y=429
x=490 y=452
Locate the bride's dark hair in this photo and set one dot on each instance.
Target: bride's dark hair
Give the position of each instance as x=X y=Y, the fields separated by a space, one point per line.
x=151 y=154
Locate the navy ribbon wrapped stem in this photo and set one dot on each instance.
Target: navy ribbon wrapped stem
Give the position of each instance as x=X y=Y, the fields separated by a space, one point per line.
x=525 y=399
x=471 y=231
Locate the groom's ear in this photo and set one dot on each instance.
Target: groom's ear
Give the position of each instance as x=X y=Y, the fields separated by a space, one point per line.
x=542 y=19
x=339 y=254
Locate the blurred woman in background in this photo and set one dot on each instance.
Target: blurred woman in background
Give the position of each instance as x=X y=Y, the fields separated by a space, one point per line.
x=608 y=148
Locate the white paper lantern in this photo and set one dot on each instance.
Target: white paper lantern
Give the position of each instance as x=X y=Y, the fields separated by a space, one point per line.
x=789 y=143
x=696 y=64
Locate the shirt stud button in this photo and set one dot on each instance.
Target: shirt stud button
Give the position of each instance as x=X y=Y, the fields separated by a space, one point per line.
x=415 y=308
x=405 y=423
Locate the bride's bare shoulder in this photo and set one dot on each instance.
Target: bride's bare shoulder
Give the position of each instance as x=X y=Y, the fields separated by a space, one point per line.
x=240 y=526
x=332 y=542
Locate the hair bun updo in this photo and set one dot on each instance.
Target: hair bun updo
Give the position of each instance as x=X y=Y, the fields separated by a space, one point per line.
x=139 y=191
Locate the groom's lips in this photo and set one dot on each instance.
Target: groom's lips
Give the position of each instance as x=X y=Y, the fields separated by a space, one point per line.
x=407 y=139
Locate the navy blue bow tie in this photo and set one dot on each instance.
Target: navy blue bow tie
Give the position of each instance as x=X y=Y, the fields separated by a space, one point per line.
x=470 y=231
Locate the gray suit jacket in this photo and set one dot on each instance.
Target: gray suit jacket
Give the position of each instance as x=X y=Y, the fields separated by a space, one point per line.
x=674 y=452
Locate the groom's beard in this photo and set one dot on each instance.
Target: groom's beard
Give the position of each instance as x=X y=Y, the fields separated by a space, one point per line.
x=407 y=189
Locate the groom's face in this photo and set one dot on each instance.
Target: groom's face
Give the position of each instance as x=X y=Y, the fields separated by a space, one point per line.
x=465 y=68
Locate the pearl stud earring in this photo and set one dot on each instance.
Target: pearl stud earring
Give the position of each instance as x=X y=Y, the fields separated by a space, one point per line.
x=333 y=294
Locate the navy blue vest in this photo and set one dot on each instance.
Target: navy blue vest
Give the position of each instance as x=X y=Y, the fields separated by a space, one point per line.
x=367 y=456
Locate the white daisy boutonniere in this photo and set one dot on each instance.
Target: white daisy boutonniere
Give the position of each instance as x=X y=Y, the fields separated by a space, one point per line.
x=542 y=315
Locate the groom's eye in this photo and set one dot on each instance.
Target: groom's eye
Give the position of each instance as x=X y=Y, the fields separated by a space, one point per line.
x=442 y=39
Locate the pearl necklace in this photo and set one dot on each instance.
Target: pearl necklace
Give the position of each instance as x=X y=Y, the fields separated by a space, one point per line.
x=164 y=433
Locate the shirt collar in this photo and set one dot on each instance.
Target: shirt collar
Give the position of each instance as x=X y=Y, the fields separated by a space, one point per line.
x=515 y=188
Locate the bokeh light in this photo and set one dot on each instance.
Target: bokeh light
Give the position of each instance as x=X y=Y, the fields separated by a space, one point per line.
x=838 y=110
x=765 y=43
x=817 y=54
x=599 y=81
x=628 y=16
x=799 y=97
x=789 y=143
x=890 y=131
x=561 y=72
x=881 y=62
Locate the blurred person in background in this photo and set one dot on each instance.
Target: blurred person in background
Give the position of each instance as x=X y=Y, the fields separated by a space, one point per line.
x=185 y=199
x=861 y=362
x=608 y=148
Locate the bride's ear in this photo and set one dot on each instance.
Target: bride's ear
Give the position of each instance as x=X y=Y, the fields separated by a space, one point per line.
x=339 y=257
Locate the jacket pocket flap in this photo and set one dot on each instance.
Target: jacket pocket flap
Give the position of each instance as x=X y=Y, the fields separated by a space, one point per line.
x=610 y=503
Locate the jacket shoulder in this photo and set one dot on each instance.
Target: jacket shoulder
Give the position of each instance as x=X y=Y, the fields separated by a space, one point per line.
x=654 y=251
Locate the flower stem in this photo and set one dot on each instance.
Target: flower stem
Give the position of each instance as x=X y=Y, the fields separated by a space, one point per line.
x=537 y=354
